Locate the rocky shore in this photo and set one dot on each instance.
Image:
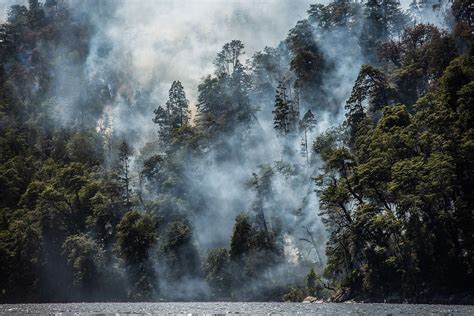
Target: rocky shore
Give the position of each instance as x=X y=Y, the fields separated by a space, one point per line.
x=346 y=295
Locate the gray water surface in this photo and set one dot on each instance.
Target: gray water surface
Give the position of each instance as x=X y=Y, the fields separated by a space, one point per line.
x=232 y=308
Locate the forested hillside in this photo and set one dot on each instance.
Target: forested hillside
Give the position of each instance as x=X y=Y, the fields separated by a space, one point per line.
x=337 y=164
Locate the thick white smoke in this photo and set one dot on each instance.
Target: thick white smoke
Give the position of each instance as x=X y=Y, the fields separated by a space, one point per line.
x=162 y=41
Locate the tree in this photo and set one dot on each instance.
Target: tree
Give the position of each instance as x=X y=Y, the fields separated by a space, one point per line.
x=177 y=105
x=312 y=283
x=261 y=183
x=217 y=272
x=136 y=234
x=107 y=210
x=86 y=259
x=123 y=173
x=181 y=256
x=267 y=70
x=463 y=27
x=308 y=64
x=391 y=202
x=283 y=113
x=174 y=114
x=253 y=250
x=227 y=60
x=294 y=294
x=383 y=18
x=421 y=55
x=337 y=14
x=241 y=235
x=307 y=124
x=223 y=102
x=370 y=93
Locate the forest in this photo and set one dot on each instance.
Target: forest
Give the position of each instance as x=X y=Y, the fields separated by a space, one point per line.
x=337 y=164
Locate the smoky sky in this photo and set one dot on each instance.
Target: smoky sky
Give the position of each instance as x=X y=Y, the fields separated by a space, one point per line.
x=178 y=40
x=164 y=40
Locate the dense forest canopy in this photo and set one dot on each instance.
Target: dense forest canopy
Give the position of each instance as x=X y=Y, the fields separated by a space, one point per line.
x=338 y=163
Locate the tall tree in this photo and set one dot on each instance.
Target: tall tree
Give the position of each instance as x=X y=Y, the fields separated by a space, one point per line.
x=284 y=113
x=136 y=234
x=337 y=14
x=383 y=19
x=370 y=93
x=175 y=114
x=307 y=124
x=308 y=64
x=227 y=59
x=123 y=173
x=422 y=53
x=223 y=101
x=177 y=105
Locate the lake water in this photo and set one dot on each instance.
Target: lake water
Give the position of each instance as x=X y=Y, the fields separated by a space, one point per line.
x=232 y=308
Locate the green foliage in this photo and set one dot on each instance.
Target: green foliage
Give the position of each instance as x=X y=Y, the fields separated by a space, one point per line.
x=392 y=200
x=370 y=93
x=312 y=283
x=181 y=256
x=254 y=249
x=218 y=272
x=223 y=101
x=308 y=64
x=80 y=203
x=284 y=114
x=136 y=235
x=174 y=114
x=420 y=55
x=294 y=294
x=85 y=258
x=338 y=14
x=240 y=241
x=382 y=19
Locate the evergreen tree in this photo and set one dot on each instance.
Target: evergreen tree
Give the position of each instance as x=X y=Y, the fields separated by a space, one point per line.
x=309 y=65
x=312 y=283
x=224 y=102
x=307 y=124
x=240 y=242
x=383 y=19
x=337 y=14
x=370 y=93
x=180 y=254
x=218 y=272
x=174 y=114
x=123 y=173
x=227 y=59
x=177 y=105
x=136 y=234
x=283 y=113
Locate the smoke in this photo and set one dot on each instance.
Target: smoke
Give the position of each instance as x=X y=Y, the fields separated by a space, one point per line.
x=151 y=44
x=138 y=48
x=162 y=41
x=5 y=6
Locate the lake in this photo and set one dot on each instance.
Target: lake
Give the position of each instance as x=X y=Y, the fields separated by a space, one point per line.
x=233 y=308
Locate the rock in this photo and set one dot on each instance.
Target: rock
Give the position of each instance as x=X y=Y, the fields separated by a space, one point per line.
x=343 y=294
x=310 y=299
